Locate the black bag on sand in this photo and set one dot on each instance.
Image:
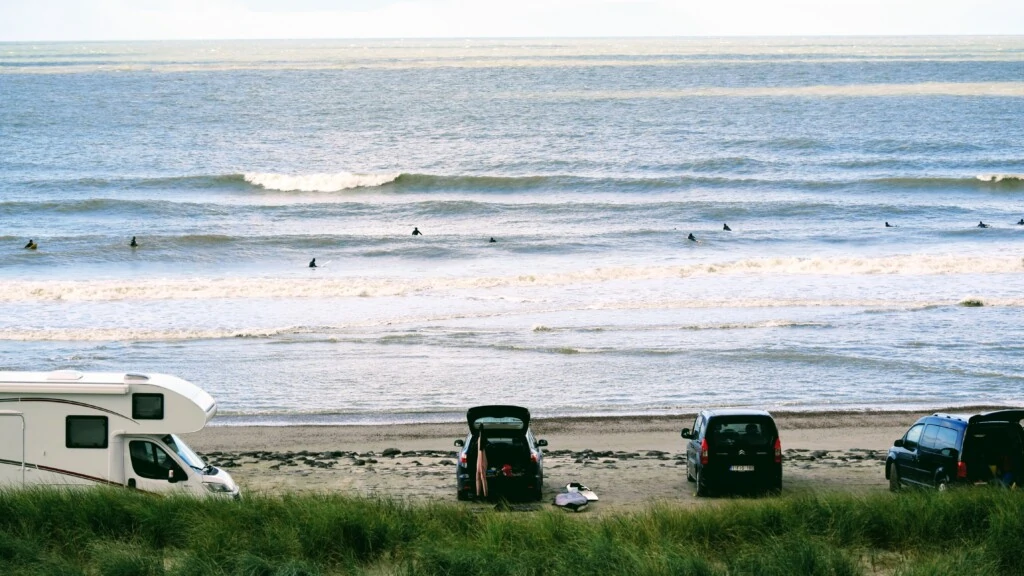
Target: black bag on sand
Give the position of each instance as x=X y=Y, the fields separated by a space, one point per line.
x=571 y=501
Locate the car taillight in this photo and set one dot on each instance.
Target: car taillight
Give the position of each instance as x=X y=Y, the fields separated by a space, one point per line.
x=462 y=458
x=703 y=452
x=961 y=469
x=533 y=458
x=778 y=451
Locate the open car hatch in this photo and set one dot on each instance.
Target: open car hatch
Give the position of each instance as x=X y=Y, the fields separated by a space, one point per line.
x=498 y=417
x=999 y=416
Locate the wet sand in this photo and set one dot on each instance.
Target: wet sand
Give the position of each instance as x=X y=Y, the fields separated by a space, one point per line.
x=629 y=462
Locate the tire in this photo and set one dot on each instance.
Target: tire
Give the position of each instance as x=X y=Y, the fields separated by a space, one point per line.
x=894 y=478
x=689 y=477
x=702 y=488
x=775 y=487
x=943 y=484
x=461 y=496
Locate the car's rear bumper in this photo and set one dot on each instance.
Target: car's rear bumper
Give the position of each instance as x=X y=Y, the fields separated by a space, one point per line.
x=498 y=484
x=724 y=476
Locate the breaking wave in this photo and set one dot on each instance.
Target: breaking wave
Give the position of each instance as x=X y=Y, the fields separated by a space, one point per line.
x=994 y=178
x=317 y=182
x=242 y=288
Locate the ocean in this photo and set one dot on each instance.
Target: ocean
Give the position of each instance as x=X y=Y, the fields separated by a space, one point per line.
x=589 y=162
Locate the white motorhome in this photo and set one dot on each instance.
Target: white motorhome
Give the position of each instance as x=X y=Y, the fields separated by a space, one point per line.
x=68 y=428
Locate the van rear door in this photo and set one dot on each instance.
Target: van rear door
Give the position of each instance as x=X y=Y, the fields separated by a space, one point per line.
x=745 y=442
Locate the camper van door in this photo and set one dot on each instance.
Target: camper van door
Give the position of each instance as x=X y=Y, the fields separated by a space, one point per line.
x=150 y=467
x=12 y=449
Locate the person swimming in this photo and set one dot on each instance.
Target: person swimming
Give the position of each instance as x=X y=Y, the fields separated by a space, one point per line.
x=31 y=245
x=1020 y=222
x=312 y=263
x=887 y=225
x=133 y=243
x=416 y=232
x=726 y=228
x=492 y=239
x=982 y=224
x=691 y=237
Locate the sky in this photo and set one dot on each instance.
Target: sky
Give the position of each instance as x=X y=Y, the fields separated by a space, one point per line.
x=74 y=20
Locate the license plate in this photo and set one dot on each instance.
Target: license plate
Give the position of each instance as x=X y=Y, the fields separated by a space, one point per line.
x=741 y=468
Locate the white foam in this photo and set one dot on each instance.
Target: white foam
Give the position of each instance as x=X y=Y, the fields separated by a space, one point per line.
x=320 y=287
x=999 y=177
x=317 y=182
x=131 y=334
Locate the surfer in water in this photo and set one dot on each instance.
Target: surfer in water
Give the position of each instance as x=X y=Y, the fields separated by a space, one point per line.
x=133 y=243
x=982 y=224
x=726 y=228
x=312 y=263
x=31 y=245
x=492 y=239
x=416 y=232
x=887 y=225
x=691 y=237
x=1020 y=222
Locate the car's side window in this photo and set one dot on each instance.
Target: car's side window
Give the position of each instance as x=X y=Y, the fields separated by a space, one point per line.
x=698 y=427
x=930 y=437
x=913 y=436
x=947 y=438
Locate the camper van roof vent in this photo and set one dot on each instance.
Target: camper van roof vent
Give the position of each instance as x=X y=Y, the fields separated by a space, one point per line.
x=136 y=378
x=64 y=375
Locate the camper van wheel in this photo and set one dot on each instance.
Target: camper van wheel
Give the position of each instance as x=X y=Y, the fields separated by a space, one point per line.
x=943 y=484
x=461 y=496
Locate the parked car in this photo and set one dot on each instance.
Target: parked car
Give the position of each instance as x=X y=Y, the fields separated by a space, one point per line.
x=943 y=450
x=514 y=457
x=734 y=449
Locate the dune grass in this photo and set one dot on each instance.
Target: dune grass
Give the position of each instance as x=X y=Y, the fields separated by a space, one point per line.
x=117 y=532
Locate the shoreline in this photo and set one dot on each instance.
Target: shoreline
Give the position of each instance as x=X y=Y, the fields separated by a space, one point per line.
x=375 y=420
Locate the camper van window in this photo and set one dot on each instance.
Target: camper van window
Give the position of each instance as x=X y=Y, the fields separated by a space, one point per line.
x=148 y=406
x=149 y=460
x=184 y=452
x=85 y=432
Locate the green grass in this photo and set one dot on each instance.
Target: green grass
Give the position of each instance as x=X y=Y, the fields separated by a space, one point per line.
x=117 y=532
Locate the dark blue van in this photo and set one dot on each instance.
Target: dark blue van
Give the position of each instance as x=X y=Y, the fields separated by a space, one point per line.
x=943 y=450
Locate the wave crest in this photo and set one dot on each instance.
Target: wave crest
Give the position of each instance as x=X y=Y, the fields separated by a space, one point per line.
x=187 y=289
x=317 y=182
x=1015 y=178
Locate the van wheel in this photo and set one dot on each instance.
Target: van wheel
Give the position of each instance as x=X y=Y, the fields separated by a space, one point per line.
x=461 y=496
x=702 y=488
x=894 y=478
x=689 y=477
x=943 y=484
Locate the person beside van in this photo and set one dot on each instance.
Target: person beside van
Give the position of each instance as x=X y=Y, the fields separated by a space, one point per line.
x=481 y=465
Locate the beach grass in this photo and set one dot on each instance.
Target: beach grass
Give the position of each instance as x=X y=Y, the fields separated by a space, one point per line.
x=115 y=532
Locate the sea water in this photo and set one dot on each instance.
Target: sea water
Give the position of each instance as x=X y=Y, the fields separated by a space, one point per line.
x=588 y=161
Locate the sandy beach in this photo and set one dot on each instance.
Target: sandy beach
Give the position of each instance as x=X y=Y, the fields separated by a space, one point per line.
x=629 y=462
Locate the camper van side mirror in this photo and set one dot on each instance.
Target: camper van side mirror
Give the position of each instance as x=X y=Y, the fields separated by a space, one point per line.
x=686 y=433
x=898 y=443
x=542 y=442
x=176 y=475
x=460 y=443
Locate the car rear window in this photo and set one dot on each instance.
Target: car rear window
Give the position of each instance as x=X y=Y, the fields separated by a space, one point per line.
x=491 y=423
x=752 y=430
